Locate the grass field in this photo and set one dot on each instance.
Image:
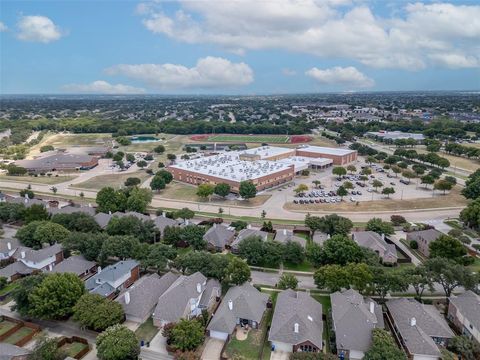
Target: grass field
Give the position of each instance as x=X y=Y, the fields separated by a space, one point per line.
x=63 y=140
x=277 y=139
x=18 y=335
x=48 y=180
x=146 y=331
x=457 y=161
x=113 y=180
x=6 y=326
x=73 y=349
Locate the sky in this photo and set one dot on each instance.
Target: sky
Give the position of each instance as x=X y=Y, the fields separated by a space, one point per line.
x=237 y=46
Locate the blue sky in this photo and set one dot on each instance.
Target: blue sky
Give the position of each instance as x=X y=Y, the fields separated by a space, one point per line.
x=246 y=47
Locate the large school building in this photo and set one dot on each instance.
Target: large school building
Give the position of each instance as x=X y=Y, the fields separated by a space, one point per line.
x=265 y=166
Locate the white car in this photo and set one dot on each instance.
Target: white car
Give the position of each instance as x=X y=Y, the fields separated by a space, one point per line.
x=352 y=199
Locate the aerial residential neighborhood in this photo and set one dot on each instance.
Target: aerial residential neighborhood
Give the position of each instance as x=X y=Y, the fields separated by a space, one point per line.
x=239 y=180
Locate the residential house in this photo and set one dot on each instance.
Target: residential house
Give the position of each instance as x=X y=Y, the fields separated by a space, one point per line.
x=464 y=313
x=319 y=237
x=375 y=242
x=218 y=237
x=113 y=278
x=161 y=222
x=297 y=323
x=246 y=233
x=103 y=219
x=242 y=305
x=424 y=238
x=78 y=265
x=139 y=300
x=25 y=201
x=8 y=247
x=420 y=328
x=70 y=209
x=353 y=319
x=183 y=299
x=283 y=236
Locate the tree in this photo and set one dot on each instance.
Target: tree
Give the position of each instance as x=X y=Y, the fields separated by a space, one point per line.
x=472 y=186
x=35 y=212
x=222 y=189
x=46 y=349
x=138 y=199
x=155 y=255
x=341 y=250
x=27 y=193
x=427 y=180
x=443 y=185
x=88 y=244
x=301 y=188
x=366 y=171
x=205 y=190
x=407 y=174
x=317 y=183
x=352 y=169
x=55 y=296
x=130 y=158
x=388 y=191
x=341 y=191
x=329 y=224
x=110 y=200
x=159 y=149
x=384 y=347
x=379 y=226
x=77 y=221
x=46 y=148
x=386 y=281
x=97 y=312
x=465 y=347
x=420 y=279
x=376 y=184
x=53 y=189
x=50 y=233
x=166 y=175
x=157 y=183
x=287 y=281
x=141 y=164
x=237 y=271
x=184 y=214
x=145 y=231
x=193 y=236
x=331 y=277
x=397 y=220
x=471 y=214
x=117 y=343
x=210 y=265
x=247 y=190
x=447 y=247
x=450 y=275
x=171 y=157
x=132 y=181
x=339 y=171
x=187 y=334
x=21 y=293
x=123 y=247
x=348 y=185
x=294 y=252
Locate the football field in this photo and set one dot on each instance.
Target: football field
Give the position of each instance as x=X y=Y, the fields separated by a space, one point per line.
x=278 y=139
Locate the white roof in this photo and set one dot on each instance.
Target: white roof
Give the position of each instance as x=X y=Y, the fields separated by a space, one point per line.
x=268 y=151
x=228 y=166
x=326 y=150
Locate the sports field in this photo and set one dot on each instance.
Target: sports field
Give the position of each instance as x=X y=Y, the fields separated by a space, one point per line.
x=278 y=139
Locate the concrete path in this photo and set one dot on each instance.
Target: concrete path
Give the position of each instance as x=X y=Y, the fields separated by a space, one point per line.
x=213 y=349
x=396 y=240
x=279 y=355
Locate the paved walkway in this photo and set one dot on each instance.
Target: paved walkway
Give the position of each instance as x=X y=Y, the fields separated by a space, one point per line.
x=213 y=349
x=396 y=240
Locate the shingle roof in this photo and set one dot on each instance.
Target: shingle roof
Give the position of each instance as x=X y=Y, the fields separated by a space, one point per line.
x=74 y=264
x=36 y=256
x=103 y=219
x=248 y=303
x=108 y=276
x=468 y=304
x=17 y=267
x=375 y=242
x=72 y=210
x=283 y=236
x=427 y=235
x=7 y=351
x=353 y=321
x=218 y=236
x=213 y=288
x=320 y=237
x=245 y=233
x=297 y=308
x=162 y=222
x=25 y=201
x=144 y=294
x=429 y=323
x=173 y=302
x=14 y=243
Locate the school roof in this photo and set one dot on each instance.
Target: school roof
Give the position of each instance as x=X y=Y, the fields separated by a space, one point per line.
x=325 y=150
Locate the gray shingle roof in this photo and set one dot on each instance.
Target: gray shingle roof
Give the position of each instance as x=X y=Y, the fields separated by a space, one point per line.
x=72 y=210
x=429 y=323
x=144 y=294
x=25 y=201
x=245 y=233
x=353 y=321
x=103 y=219
x=292 y=308
x=7 y=351
x=162 y=222
x=173 y=302
x=108 y=276
x=320 y=237
x=213 y=288
x=14 y=243
x=375 y=242
x=248 y=303
x=218 y=236
x=468 y=304
x=37 y=255
x=427 y=235
x=283 y=236
x=74 y=264
x=15 y=268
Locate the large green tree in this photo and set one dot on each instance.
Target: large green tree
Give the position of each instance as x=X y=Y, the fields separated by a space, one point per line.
x=329 y=224
x=247 y=190
x=472 y=186
x=237 y=271
x=117 y=343
x=77 y=221
x=97 y=312
x=384 y=347
x=287 y=281
x=47 y=349
x=187 y=334
x=145 y=231
x=447 y=247
x=450 y=275
x=222 y=189
x=471 y=214
x=379 y=226
x=138 y=199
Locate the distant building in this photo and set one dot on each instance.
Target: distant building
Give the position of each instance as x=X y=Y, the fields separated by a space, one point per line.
x=59 y=162
x=424 y=238
x=339 y=156
x=395 y=135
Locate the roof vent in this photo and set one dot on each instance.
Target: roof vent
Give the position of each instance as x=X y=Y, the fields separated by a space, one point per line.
x=230 y=304
x=23 y=254
x=199 y=288
x=127 y=297
x=372 y=307
x=309 y=318
x=9 y=245
x=295 y=328
x=413 y=321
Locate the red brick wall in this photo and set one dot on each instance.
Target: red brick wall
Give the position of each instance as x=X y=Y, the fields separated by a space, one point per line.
x=337 y=159
x=59 y=257
x=134 y=276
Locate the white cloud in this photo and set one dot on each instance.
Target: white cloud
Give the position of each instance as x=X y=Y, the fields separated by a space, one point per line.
x=3 y=27
x=209 y=72
x=342 y=76
x=38 y=29
x=288 y=72
x=411 y=39
x=102 y=87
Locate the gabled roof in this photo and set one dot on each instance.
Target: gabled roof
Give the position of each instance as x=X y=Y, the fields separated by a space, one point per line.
x=173 y=302
x=375 y=242
x=36 y=256
x=102 y=219
x=74 y=264
x=283 y=236
x=320 y=237
x=213 y=288
x=428 y=235
x=299 y=308
x=14 y=243
x=353 y=320
x=103 y=281
x=218 y=236
x=247 y=303
x=72 y=210
x=161 y=222
x=468 y=304
x=246 y=233
x=25 y=201
x=144 y=294
x=17 y=267
x=428 y=323
x=138 y=215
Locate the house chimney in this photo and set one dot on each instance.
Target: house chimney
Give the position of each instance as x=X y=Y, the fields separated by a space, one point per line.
x=230 y=304
x=89 y=205
x=383 y=236
x=413 y=321
x=199 y=288
x=99 y=269
x=295 y=328
x=23 y=254
x=26 y=199
x=164 y=214
x=127 y=297
x=109 y=212
x=26 y=196
x=186 y=221
x=284 y=231
x=214 y=225
x=9 y=245
x=372 y=307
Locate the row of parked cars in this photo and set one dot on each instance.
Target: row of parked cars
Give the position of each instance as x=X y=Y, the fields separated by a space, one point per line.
x=318 y=201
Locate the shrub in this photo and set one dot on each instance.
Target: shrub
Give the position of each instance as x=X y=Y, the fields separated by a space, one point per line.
x=414 y=244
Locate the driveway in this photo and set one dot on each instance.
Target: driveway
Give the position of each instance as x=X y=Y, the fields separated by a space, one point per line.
x=159 y=344
x=279 y=355
x=213 y=349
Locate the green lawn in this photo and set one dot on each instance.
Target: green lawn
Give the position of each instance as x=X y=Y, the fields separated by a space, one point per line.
x=326 y=308
x=6 y=326
x=48 y=180
x=147 y=330
x=116 y=180
x=304 y=266
x=18 y=335
x=73 y=349
x=475 y=266
x=251 y=138
x=8 y=288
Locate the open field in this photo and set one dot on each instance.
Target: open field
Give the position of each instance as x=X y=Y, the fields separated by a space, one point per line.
x=453 y=199
x=277 y=139
x=114 y=180
x=457 y=161
x=48 y=180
